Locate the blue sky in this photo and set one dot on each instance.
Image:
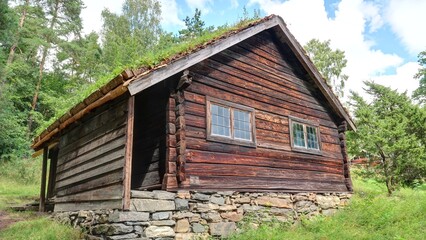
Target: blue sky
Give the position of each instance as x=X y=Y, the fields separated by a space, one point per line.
x=381 y=38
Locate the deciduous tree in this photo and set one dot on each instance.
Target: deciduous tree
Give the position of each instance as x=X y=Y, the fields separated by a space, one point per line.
x=329 y=62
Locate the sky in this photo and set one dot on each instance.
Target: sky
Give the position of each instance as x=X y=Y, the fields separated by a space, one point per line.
x=381 y=38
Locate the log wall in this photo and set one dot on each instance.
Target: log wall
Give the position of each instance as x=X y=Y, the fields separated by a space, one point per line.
x=91 y=158
x=266 y=76
x=149 y=138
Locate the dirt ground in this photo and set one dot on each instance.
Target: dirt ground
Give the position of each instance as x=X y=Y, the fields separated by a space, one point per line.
x=6 y=219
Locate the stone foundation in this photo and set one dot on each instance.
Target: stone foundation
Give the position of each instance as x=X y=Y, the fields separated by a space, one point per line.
x=194 y=215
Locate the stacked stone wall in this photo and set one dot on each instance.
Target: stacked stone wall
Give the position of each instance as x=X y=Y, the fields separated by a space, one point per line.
x=199 y=215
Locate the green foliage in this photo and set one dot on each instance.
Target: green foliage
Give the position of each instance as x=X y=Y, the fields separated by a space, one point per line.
x=420 y=92
x=129 y=36
x=194 y=26
x=391 y=130
x=372 y=214
x=329 y=62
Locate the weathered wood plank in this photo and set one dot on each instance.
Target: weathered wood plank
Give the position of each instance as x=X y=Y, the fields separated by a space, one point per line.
x=207 y=169
x=109 y=167
x=93 y=205
x=99 y=181
x=296 y=162
x=249 y=183
x=115 y=147
x=127 y=169
x=105 y=193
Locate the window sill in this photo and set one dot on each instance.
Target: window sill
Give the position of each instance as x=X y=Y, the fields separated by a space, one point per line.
x=309 y=151
x=231 y=141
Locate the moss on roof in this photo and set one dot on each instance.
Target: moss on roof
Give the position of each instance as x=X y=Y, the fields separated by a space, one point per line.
x=152 y=60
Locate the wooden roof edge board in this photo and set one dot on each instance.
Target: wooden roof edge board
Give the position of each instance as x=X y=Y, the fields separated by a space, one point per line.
x=40 y=151
x=141 y=83
x=315 y=74
x=118 y=91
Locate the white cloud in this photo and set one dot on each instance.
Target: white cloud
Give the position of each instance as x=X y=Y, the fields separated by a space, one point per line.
x=234 y=3
x=202 y=5
x=403 y=74
x=407 y=19
x=169 y=13
x=91 y=15
x=92 y=21
x=353 y=18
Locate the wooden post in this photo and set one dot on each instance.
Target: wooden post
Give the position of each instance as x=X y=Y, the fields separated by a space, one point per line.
x=127 y=180
x=43 y=180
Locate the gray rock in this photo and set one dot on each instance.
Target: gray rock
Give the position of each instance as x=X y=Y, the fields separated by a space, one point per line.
x=137 y=223
x=185 y=236
x=151 y=205
x=181 y=215
x=211 y=216
x=232 y=216
x=205 y=207
x=164 y=195
x=161 y=215
x=326 y=202
x=225 y=193
x=91 y=237
x=126 y=236
x=111 y=229
x=163 y=223
x=182 y=226
x=222 y=229
x=157 y=232
x=198 y=228
x=129 y=217
x=243 y=200
x=181 y=204
x=138 y=229
x=281 y=212
x=200 y=196
x=274 y=202
x=142 y=194
x=217 y=200
x=305 y=207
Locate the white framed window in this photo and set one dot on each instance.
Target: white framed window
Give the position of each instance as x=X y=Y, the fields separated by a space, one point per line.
x=230 y=123
x=304 y=135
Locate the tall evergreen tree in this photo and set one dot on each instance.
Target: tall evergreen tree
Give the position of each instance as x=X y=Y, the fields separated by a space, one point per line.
x=391 y=130
x=420 y=92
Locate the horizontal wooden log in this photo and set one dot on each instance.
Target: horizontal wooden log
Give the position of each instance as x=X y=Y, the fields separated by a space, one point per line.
x=105 y=193
x=109 y=167
x=273 y=161
x=93 y=205
x=214 y=169
x=100 y=181
x=256 y=184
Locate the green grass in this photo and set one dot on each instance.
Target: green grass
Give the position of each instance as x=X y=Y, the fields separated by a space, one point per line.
x=39 y=228
x=31 y=225
x=372 y=214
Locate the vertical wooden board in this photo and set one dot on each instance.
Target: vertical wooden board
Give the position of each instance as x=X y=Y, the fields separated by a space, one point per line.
x=127 y=171
x=43 y=181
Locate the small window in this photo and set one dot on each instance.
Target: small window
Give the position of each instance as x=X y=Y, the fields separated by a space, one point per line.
x=304 y=135
x=230 y=123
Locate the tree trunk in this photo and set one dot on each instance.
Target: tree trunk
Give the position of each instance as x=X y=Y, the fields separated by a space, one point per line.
x=41 y=66
x=21 y=24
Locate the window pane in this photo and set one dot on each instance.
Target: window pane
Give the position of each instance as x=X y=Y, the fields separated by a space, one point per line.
x=220 y=121
x=312 y=137
x=298 y=136
x=242 y=129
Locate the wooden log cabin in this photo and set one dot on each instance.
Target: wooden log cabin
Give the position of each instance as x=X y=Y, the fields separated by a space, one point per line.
x=247 y=111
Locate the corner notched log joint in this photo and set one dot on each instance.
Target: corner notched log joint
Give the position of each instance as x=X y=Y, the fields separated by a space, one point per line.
x=342 y=128
x=184 y=82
